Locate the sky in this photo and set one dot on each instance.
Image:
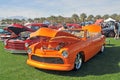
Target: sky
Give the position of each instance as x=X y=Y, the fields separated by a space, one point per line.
x=46 y=8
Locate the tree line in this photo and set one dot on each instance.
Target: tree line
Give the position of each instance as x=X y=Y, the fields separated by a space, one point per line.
x=75 y=18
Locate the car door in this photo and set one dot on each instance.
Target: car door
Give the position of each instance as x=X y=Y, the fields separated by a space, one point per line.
x=98 y=42
x=88 y=48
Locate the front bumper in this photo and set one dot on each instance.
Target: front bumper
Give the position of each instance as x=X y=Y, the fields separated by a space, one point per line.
x=41 y=65
x=3 y=38
x=16 y=51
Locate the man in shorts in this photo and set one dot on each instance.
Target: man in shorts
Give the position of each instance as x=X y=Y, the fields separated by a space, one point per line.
x=116 y=30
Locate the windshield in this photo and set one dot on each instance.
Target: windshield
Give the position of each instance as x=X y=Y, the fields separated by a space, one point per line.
x=78 y=33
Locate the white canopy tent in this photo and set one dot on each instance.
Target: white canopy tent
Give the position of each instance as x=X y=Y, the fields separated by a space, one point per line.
x=109 y=19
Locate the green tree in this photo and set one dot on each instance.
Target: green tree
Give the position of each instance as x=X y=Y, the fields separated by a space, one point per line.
x=23 y=21
x=98 y=17
x=106 y=16
x=90 y=18
x=30 y=20
x=16 y=21
x=118 y=18
x=52 y=19
x=114 y=16
x=42 y=19
x=83 y=16
x=37 y=20
x=60 y=19
x=75 y=18
x=68 y=20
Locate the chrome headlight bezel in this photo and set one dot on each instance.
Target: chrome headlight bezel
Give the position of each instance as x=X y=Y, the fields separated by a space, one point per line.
x=29 y=51
x=65 y=54
x=26 y=45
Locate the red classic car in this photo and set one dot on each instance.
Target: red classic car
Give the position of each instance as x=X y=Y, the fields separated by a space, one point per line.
x=73 y=25
x=65 y=50
x=55 y=26
x=13 y=31
x=21 y=43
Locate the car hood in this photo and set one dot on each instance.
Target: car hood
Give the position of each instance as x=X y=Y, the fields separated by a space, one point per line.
x=17 y=28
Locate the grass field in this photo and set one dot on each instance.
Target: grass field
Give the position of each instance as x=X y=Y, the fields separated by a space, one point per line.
x=104 y=66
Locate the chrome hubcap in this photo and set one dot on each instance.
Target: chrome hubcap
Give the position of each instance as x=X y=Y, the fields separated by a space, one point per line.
x=78 y=61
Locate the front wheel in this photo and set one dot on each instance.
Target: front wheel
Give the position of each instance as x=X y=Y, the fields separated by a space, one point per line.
x=78 y=62
x=111 y=34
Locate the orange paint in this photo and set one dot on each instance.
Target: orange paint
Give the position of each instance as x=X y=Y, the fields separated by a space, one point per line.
x=49 y=55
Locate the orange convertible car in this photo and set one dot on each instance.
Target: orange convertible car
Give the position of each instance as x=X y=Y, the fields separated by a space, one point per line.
x=65 y=50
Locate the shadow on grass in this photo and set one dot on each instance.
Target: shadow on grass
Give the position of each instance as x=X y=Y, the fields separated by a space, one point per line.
x=112 y=45
x=19 y=54
x=103 y=63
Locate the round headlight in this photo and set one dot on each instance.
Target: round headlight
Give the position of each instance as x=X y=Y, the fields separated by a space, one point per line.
x=26 y=45
x=29 y=50
x=65 y=54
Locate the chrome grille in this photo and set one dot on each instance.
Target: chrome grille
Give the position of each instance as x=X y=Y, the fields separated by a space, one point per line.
x=18 y=46
x=53 y=60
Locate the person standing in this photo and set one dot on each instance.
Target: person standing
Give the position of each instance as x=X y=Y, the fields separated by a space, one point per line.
x=116 y=30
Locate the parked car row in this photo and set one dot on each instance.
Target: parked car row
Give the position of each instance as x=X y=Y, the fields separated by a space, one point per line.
x=108 y=28
x=108 y=31
x=22 y=34
x=53 y=49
